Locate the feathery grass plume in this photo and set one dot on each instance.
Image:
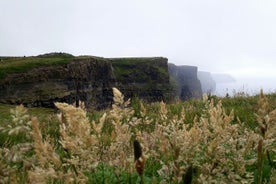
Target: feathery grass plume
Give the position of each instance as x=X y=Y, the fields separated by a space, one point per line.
x=118 y=97
x=120 y=108
x=267 y=131
x=44 y=150
x=7 y=172
x=119 y=151
x=48 y=160
x=143 y=110
x=204 y=144
x=78 y=143
x=169 y=135
x=263 y=110
x=163 y=110
x=225 y=138
x=16 y=148
x=21 y=124
x=17 y=153
x=123 y=129
x=78 y=140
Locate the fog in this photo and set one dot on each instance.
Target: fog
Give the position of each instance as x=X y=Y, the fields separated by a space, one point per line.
x=235 y=37
x=250 y=80
x=246 y=86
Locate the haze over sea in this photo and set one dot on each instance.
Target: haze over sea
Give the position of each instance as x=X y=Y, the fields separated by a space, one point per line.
x=247 y=85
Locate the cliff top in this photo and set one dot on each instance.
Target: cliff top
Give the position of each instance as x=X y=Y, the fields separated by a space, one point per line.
x=11 y=64
x=22 y=64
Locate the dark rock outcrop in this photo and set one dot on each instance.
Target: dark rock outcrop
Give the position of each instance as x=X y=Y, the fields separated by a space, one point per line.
x=185 y=82
x=208 y=84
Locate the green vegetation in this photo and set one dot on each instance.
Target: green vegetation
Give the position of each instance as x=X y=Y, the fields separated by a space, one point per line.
x=23 y=64
x=192 y=141
x=139 y=69
x=121 y=65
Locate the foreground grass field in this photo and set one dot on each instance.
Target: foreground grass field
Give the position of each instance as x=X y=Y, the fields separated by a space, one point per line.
x=214 y=140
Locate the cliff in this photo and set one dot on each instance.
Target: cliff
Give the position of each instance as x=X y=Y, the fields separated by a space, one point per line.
x=185 y=82
x=208 y=84
x=42 y=80
x=89 y=80
x=146 y=78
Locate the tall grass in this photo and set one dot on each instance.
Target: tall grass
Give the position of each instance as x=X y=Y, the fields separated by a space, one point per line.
x=191 y=142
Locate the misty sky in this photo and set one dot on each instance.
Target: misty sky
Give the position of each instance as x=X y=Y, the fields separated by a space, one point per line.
x=233 y=36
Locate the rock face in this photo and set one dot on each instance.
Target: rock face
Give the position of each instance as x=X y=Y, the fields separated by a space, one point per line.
x=208 y=84
x=89 y=79
x=146 y=78
x=185 y=82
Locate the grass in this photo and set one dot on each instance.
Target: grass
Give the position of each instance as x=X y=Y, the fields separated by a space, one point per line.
x=45 y=115
x=5 y=113
x=22 y=64
x=243 y=106
x=171 y=143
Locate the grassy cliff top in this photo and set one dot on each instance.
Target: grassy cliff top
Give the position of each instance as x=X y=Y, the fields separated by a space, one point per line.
x=127 y=60
x=22 y=64
x=10 y=65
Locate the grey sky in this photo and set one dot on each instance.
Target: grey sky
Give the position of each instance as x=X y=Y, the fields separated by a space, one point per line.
x=234 y=36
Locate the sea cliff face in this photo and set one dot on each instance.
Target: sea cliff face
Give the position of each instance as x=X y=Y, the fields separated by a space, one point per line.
x=89 y=79
x=185 y=81
x=42 y=80
x=146 y=78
